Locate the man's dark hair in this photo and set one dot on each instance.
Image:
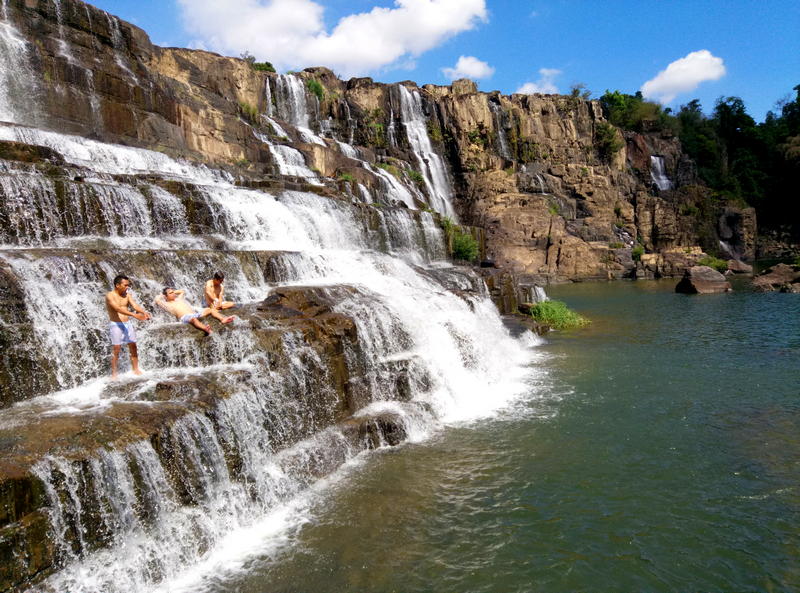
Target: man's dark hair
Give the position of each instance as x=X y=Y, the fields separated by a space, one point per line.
x=119 y=279
x=166 y=290
x=219 y=276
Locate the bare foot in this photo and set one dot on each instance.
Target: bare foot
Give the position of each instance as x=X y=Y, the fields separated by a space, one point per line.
x=229 y=319
x=114 y=377
x=137 y=372
x=207 y=329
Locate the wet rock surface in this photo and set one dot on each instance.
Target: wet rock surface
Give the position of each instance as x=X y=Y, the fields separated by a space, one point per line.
x=702 y=280
x=780 y=278
x=150 y=407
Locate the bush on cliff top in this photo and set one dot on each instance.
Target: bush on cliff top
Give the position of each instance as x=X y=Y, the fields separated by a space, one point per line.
x=557 y=315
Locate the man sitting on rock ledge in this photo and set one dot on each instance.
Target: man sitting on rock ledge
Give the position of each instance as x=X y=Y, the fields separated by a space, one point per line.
x=214 y=292
x=171 y=300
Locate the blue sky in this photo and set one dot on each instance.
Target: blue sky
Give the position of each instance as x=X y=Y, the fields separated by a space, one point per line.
x=752 y=49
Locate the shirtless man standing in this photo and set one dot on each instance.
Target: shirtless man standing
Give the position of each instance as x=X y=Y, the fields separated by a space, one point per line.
x=120 y=329
x=215 y=293
x=171 y=300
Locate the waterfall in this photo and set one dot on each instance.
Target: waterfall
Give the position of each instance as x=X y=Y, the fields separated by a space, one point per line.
x=157 y=513
x=499 y=117
x=391 y=132
x=18 y=87
x=111 y=158
x=119 y=47
x=431 y=165
x=63 y=46
x=291 y=100
x=154 y=482
x=658 y=173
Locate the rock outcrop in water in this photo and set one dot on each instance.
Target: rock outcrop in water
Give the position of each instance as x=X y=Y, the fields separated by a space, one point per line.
x=324 y=204
x=702 y=280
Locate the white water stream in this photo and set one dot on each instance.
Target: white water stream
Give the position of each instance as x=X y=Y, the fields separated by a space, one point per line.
x=431 y=165
x=430 y=348
x=658 y=173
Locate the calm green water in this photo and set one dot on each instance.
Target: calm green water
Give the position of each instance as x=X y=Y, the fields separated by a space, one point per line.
x=659 y=450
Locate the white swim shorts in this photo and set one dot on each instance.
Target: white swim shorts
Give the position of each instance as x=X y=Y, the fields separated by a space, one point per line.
x=121 y=333
x=189 y=316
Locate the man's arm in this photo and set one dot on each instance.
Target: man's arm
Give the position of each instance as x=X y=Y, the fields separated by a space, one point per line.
x=141 y=316
x=136 y=307
x=209 y=293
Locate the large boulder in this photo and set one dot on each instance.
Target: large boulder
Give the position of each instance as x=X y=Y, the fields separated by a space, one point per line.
x=781 y=277
x=702 y=280
x=736 y=266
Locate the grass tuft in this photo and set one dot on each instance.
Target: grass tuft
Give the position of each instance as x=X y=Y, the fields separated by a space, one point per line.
x=557 y=315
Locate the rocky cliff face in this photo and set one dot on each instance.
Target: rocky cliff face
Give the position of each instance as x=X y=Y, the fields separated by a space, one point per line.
x=528 y=169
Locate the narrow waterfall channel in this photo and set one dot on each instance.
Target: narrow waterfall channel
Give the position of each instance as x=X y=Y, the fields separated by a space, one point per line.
x=353 y=332
x=658 y=173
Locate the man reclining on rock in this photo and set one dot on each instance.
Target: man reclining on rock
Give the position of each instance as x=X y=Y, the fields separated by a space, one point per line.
x=171 y=300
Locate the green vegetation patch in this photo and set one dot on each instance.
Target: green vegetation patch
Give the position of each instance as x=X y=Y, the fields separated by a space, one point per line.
x=465 y=246
x=390 y=168
x=249 y=112
x=316 y=88
x=606 y=140
x=637 y=253
x=557 y=315
x=720 y=265
x=416 y=177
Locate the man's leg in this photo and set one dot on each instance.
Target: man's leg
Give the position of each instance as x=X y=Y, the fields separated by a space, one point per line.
x=227 y=305
x=114 y=357
x=216 y=315
x=200 y=325
x=134 y=358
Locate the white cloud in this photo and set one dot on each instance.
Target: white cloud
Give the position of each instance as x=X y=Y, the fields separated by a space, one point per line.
x=291 y=33
x=683 y=76
x=469 y=67
x=544 y=85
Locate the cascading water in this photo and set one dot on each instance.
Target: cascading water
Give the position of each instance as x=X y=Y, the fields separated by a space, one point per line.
x=170 y=517
x=658 y=173
x=292 y=104
x=499 y=117
x=431 y=165
x=223 y=438
x=119 y=47
x=18 y=87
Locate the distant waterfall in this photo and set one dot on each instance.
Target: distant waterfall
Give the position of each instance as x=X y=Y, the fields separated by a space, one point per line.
x=291 y=100
x=658 y=173
x=499 y=117
x=18 y=87
x=432 y=167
